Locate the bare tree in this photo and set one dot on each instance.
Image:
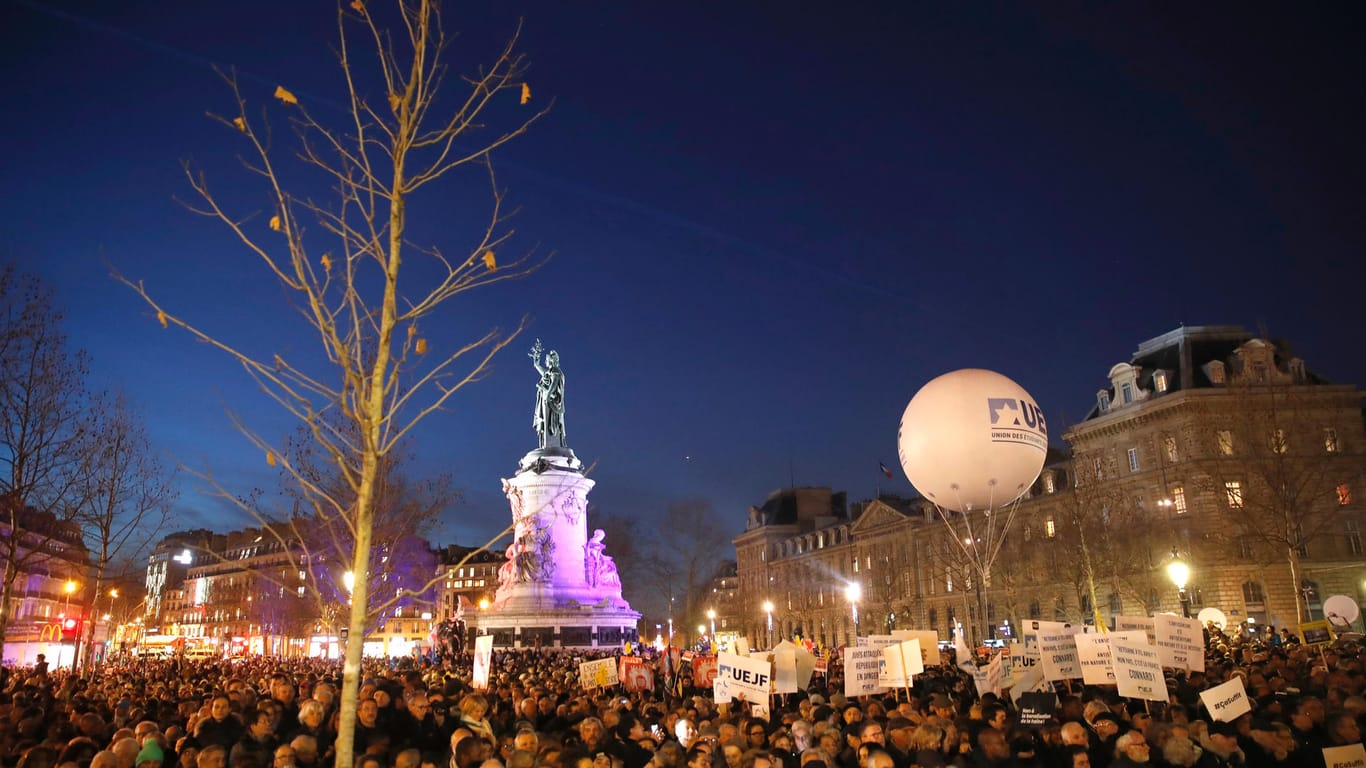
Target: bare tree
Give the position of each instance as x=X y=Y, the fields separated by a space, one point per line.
x=689 y=545
x=1272 y=465
x=124 y=496
x=42 y=399
x=381 y=372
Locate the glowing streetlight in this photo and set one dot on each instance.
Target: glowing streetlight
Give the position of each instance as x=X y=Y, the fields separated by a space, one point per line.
x=768 y=609
x=1179 y=573
x=711 y=615
x=483 y=603
x=852 y=593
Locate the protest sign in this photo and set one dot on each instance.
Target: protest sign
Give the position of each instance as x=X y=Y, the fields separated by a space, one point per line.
x=1227 y=701
x=1058 y=652
x=880 y=641
x=742 y=646
x=1022 y=660
x=703 y=671
x=636 y=674
x=929 y=644
x=1093 y=654
x=1180 y=642
x=759 y=709
x=598 y=673
x=1138 y=668
x=860 y=671
x=1037 y=708
x=900 y=662
x=1145 y=623
x=483 y=661
x=1350 y=756
x=743 y=677
x=785 y=669
x=1316 y=632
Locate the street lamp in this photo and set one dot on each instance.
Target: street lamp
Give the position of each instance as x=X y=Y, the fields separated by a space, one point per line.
x=768 y=609
x=852 y=593
x=711 y=616
x=69 y=588
x=1179 y=573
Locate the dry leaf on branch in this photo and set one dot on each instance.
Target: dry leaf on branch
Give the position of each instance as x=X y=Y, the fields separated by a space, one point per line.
x=489 y=261
x=284 y=95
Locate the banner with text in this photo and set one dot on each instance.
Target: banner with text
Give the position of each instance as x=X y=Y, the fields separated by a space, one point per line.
x=1145 y=623
x=1058 y=651
x=1138 y=667
x=1093 y=653
x=1180 y=642
x=860 y=671
x=1228 y=701
x=598 y=673
x=742 y=677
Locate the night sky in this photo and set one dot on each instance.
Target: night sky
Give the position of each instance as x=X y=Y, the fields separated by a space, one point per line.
x=771 y=225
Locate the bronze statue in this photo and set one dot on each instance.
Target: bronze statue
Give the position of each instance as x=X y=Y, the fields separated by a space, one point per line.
x=548 y=418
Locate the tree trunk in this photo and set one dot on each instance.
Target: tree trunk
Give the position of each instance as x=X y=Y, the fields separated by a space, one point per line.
x=1301 y=609
x=11 y=576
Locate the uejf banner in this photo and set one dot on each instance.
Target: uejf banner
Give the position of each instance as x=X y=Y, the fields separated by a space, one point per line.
x=742 y=677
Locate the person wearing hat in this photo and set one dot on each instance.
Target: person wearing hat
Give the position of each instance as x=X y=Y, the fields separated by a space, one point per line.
x=150 y=755
x=1107 y=727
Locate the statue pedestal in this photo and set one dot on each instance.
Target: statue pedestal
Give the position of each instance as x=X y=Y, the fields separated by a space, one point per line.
x=557 y=587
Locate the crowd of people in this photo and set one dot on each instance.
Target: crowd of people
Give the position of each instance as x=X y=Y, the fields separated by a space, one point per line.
x=284 y=713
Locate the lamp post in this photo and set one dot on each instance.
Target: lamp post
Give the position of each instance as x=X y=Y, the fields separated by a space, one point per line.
x=68 y=588
x=852 y=593
x=768 y=609
x=1179 y=573
x=711 y=616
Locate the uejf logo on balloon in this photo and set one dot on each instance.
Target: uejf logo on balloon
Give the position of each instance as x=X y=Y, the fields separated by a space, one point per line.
x=1015 y=420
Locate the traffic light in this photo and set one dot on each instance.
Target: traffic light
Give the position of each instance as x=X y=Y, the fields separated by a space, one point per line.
x=71 y=629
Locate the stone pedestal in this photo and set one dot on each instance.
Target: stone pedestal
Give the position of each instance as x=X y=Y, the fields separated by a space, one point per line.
x=558 y=587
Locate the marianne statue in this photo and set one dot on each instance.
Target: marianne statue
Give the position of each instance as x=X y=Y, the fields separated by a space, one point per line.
x=548 y=418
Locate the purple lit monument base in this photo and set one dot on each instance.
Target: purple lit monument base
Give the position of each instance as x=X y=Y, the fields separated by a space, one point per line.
x=558 y=587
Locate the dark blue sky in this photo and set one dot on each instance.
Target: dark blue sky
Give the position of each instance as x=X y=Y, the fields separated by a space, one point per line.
x=771 y=225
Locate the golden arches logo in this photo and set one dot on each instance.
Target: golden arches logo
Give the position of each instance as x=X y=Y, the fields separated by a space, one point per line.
x=52 y=633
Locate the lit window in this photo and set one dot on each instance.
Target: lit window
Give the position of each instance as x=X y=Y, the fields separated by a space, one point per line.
x=1049 y=529
x=1233 y=489
x=948 y=582
x=1169 y=448
x=1160 y=380
x=1133 y=459
x=1344 y=495
x=1330 y=440
x=1179 y=500
x=1224 y=439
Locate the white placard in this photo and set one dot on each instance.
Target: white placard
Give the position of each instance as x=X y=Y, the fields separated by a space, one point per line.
x=929 y=644
x=1138 y=669
x=860 y=671
x=1145 y=623
x=1350 y=756
x=742 y=646
x=785 y=669
x=1058 y=652
x=1093 y=653
x=483 y=661
x=1227 y=701
x=900 y=663
x=744 y=676
x=1181 y=642
x=1022 y=660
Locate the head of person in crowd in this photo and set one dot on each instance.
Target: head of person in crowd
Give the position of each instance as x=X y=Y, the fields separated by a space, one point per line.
x=212 y=756
x=1133 y=746
x=1075 y=756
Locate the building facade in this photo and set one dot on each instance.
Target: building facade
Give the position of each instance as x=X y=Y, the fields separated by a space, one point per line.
x=1208 y=445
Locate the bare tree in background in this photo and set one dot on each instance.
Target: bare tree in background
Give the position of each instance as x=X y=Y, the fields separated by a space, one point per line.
x=42 y=401
x=125 y=498
x=352 y=273
x=689 y=545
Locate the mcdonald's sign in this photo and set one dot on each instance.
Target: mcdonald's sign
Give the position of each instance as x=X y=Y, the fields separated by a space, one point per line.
x=51 y=633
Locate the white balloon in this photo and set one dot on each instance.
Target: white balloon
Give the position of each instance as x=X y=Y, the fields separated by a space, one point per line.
x=1212 y=615
x=972 y=440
